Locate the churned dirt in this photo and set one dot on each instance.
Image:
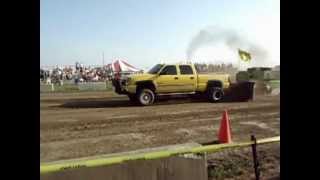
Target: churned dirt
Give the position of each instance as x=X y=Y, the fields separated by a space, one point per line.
x=238 y=163
x=74 y=125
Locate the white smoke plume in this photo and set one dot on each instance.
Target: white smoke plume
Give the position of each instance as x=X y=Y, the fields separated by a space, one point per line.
x=214 y=35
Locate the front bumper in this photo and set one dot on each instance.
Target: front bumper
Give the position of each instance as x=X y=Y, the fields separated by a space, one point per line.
x=131 y=89
x=122 y=87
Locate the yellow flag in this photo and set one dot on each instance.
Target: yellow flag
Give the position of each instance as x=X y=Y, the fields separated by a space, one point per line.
x=244 y=56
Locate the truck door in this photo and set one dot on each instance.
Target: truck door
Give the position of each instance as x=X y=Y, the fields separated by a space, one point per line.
x=167 y=82
x=188 y=78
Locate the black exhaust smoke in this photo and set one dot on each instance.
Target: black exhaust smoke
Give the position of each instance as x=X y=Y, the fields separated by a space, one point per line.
x=214 y=35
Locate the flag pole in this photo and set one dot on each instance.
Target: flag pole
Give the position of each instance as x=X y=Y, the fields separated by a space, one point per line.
x=239 y=61
x=239 y=64
x=102 y=59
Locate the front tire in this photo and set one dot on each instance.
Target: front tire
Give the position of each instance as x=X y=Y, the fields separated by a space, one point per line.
x=145 y=97
x=215 y=94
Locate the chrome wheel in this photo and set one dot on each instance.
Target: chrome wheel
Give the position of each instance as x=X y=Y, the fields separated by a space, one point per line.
x=217 y=95
x=146 y=97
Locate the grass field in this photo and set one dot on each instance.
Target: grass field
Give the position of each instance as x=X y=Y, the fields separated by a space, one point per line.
x=274 y=84
x=71 y=87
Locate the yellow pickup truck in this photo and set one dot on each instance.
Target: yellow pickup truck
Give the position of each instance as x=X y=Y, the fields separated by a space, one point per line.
x=172 y=79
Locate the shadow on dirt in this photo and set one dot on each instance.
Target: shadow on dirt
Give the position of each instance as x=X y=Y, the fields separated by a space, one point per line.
x=112 y=103
x=210 y=143
x=124 y=102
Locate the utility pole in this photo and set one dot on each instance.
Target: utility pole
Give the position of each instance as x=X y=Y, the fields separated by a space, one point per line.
x=102 y=59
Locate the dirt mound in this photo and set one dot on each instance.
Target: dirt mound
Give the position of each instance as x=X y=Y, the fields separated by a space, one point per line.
x=238 y=163
x=261 y=88
x=275 y=92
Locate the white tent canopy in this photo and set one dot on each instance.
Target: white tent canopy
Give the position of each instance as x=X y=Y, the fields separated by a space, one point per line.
x=122 y=66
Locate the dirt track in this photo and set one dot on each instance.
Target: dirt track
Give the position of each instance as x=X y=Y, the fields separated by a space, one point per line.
x=74 y=125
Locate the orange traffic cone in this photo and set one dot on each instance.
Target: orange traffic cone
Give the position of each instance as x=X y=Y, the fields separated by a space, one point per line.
x=225 y=131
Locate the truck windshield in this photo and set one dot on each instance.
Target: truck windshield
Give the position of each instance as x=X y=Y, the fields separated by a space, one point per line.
x=155 y=69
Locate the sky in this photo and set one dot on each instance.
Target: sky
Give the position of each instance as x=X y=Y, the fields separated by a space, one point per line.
x=146 y=32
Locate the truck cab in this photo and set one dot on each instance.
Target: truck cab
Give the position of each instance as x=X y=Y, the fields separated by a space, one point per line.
x=176 y=79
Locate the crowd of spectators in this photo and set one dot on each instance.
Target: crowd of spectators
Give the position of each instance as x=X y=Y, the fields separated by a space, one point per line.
x=78 y=74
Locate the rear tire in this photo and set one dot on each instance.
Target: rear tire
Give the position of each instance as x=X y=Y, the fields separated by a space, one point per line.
x=145 y=97
x=215 y=94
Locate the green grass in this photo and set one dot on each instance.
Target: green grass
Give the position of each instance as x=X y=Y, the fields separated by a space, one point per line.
x=274 y=83
x=75 y=88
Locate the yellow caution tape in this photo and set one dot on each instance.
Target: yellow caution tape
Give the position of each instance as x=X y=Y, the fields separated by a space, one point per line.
x=104 y=161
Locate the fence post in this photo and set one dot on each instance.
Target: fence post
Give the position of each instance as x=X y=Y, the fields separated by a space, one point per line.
x=52 y=87
x=255 y=158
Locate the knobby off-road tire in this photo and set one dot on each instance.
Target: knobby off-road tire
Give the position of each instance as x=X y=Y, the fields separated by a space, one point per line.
x=215 y=94
x=145 y=97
